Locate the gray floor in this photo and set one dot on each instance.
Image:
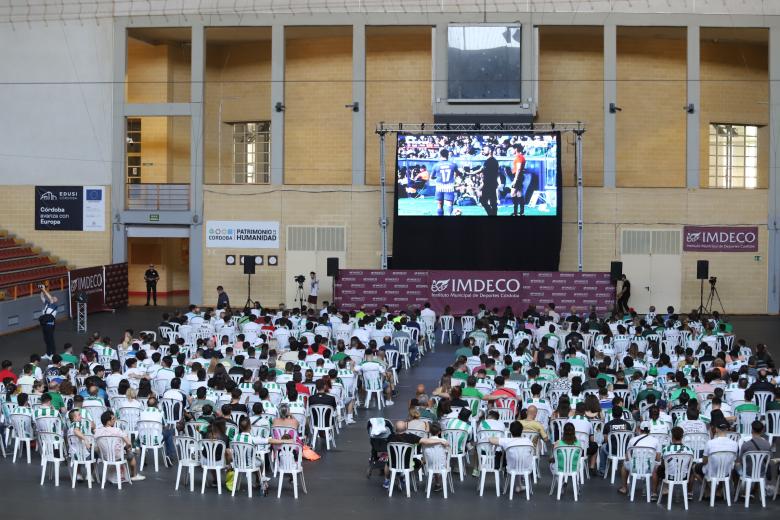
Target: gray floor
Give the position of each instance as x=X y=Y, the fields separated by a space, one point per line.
x=337 y=484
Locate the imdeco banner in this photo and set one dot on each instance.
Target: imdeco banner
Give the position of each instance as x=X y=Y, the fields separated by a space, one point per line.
x=463 y=290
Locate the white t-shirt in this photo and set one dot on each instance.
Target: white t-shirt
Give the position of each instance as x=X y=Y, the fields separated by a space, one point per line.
x=581 y=424
x=314 y=287
x=508 y=442
x=644 y=441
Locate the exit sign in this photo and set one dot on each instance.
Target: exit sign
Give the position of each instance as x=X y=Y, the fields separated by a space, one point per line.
x=154 y=217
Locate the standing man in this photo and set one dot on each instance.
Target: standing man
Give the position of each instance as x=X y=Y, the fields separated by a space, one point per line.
x=519 y=185
x=223 y=301
x=151 y=276
x=444 y=173
x=624 y=294
x=48 y=320
x=314 y=289
x=489 y=172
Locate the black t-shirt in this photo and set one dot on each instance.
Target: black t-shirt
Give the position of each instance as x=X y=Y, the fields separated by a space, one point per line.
x=490 y=173
x=626 y=288
x=151 y=276
x=616 y=425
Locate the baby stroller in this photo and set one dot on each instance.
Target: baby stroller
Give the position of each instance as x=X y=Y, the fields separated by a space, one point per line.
x=379 y=430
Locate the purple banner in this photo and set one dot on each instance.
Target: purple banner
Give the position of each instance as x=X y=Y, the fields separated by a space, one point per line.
x=463 y=290
x=720 y=239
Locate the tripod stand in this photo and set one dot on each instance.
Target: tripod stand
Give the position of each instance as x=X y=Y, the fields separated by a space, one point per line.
x=299 y=295
x=707 y=308
x=249 y=301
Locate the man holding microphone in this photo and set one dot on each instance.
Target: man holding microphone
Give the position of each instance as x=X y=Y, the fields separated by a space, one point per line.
x=47 y=320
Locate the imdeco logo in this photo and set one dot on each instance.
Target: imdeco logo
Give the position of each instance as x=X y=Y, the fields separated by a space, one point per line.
x=440 y=285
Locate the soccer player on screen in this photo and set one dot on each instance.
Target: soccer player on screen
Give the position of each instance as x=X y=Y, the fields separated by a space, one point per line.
x=517 y=192
x=444 y=172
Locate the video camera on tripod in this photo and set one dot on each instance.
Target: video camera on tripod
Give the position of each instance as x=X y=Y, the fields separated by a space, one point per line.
x=299 y=296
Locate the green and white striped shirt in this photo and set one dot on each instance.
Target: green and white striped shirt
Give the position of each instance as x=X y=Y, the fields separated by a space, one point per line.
x=45 y=411
x=674 y=449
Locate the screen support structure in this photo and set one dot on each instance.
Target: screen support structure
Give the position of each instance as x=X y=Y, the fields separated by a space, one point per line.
x=578 y=170
x=382 y=129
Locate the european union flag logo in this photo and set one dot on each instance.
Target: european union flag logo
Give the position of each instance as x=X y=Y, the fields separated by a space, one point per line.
x=94 y=194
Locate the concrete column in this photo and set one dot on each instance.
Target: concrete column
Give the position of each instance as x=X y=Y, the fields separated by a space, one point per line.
x=610 y=96
x=196 y=163
x=118 y=239
x=277 y=96
x=359 y=97
x=773 y=221
x=692 y=136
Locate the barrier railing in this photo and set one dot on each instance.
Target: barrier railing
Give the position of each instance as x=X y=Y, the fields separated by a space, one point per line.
x=157 y=197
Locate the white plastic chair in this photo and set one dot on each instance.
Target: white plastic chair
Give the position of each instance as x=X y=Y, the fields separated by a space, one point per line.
x=80 y=455
x=48 y=424
x=772 y=426
x=52 y=450
x=212 y=458
x=187 y=454
x=372 y=384
x=467 y=324
x=617 y=446
x=677 y=472
x=401 y=462
x=172 y=411
x=641 y=462
x=762 y=399
x=486 y=459
x=150 y=437
x=521 y=464
x=245 y=462
x=745 y=422
x=754 y=465
x=696 y=442
x=289 y=461
x=112 y=453
x=322 y=419
x=570 y=461
x=22 y=430
x=457 y=440
x=719 y=466
x=437 y=462
x=403 y=351
x=447 y=324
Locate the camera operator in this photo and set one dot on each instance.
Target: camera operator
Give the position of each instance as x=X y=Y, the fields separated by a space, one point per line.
x=47 y=320
x=314 y=289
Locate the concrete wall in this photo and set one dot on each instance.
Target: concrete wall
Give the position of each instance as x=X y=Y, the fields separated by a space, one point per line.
x=77 y=248
x=651 y=74
x=23 y=314
x=356 y=208
x=398 y=87
x=317 y=126
x=571 y=88
x=56 y=88
x=741 y=280
x=238 y=75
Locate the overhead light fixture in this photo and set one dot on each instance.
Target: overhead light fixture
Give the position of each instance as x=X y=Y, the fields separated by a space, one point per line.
x=259 y=260
x=273 y=260
x=230 y=259
x=241 y=260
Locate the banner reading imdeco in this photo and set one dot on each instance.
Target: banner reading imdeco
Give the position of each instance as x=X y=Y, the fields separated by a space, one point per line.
x=246 y=234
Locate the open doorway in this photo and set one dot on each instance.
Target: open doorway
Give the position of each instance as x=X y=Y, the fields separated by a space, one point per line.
x=170 y=256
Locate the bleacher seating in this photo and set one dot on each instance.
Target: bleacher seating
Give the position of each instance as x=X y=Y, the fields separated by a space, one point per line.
x=23 y=267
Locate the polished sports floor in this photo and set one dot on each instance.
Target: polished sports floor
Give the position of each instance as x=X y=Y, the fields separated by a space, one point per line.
x=337 y=484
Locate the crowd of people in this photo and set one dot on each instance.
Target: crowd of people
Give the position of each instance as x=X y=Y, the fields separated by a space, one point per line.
x=681 y=386
x=278 y=380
